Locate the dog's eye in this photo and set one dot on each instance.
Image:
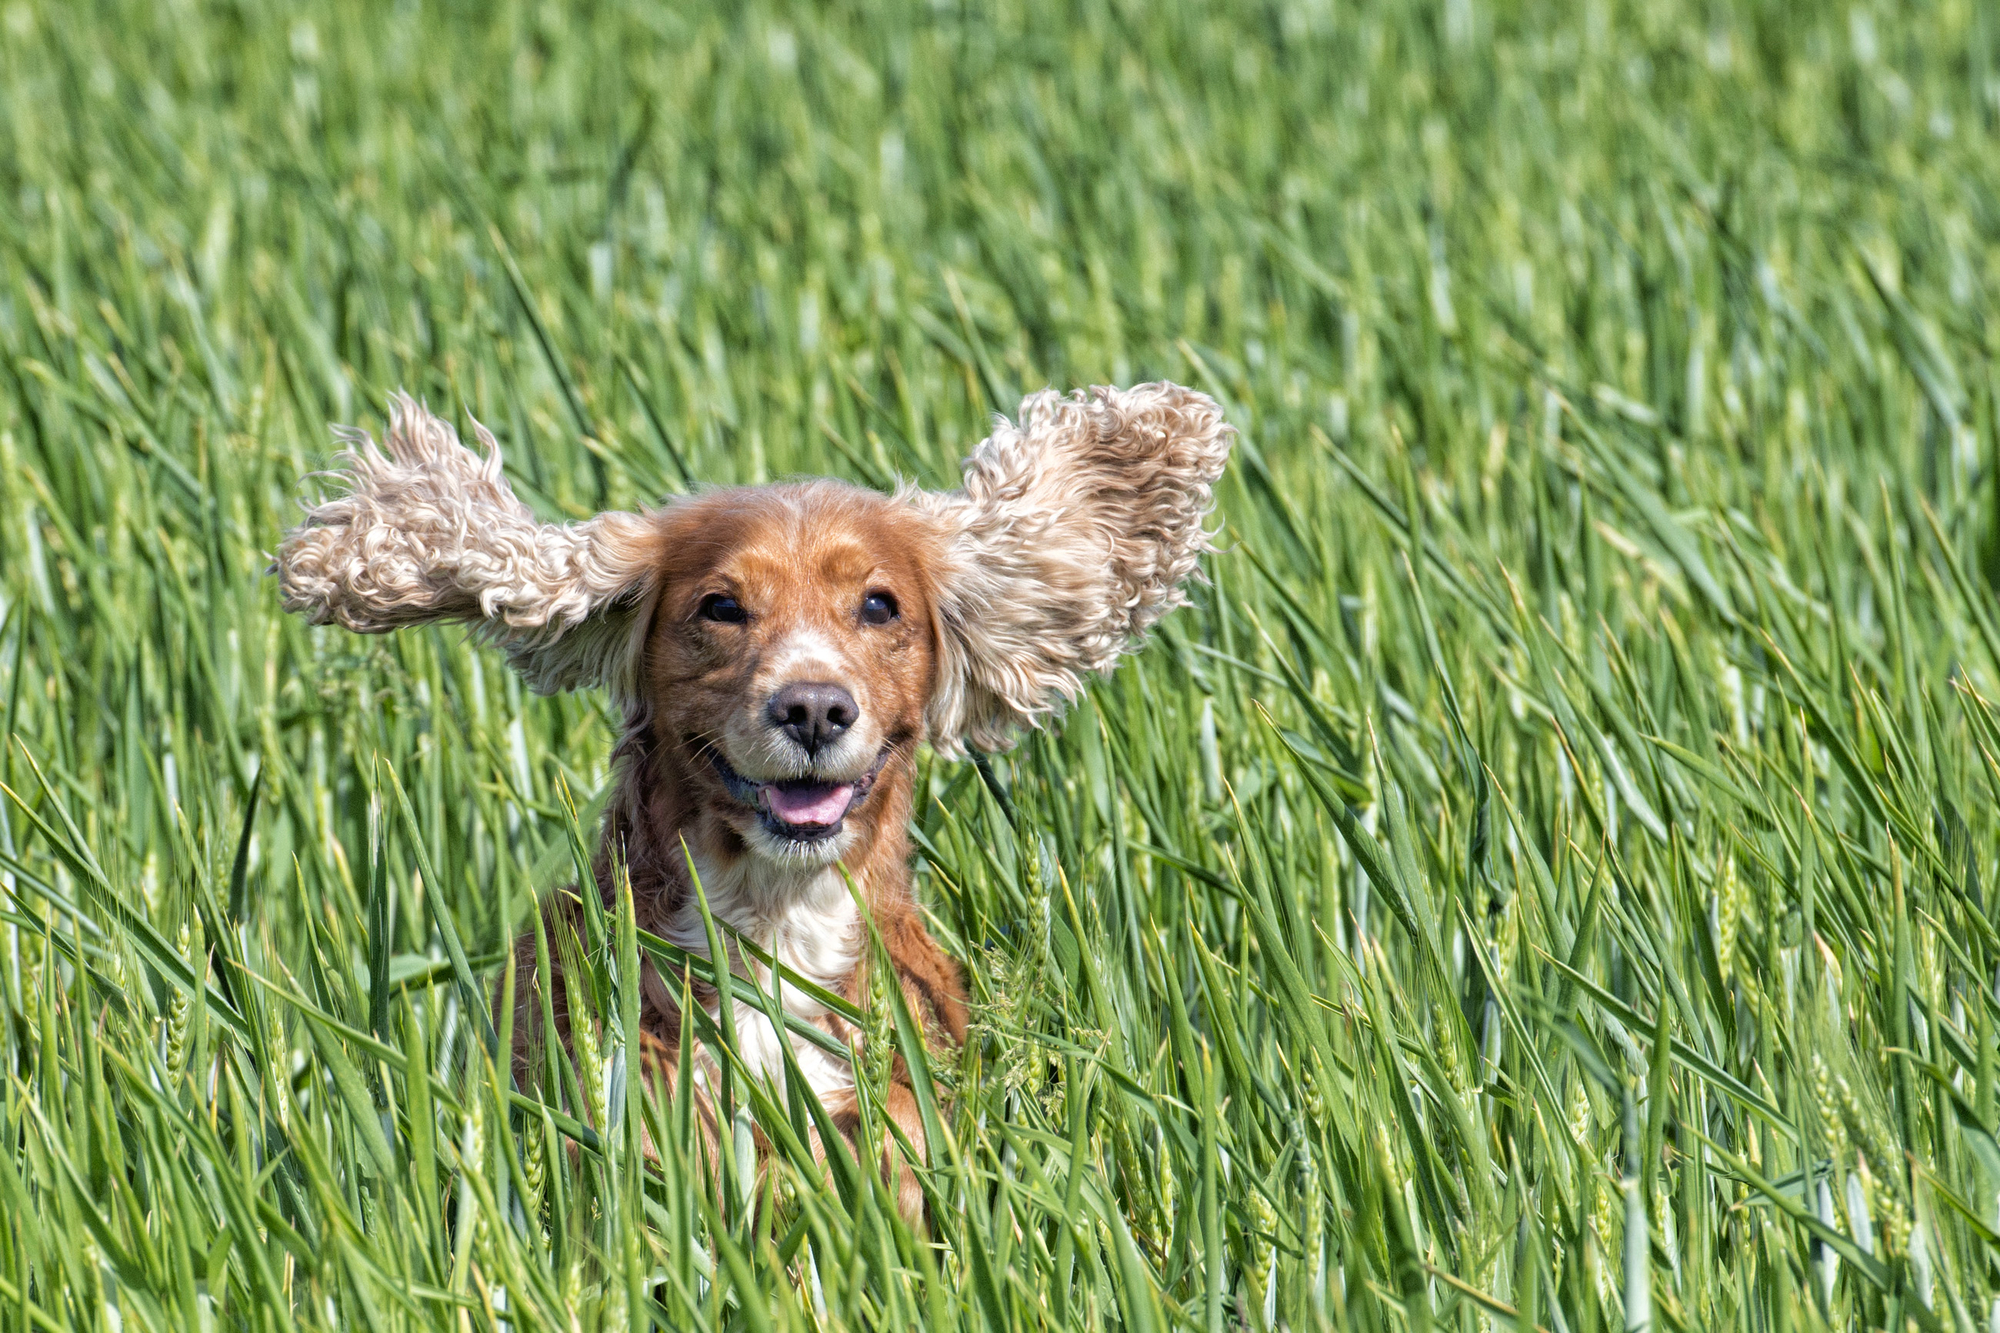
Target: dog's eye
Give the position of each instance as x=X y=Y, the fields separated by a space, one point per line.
x=725 y=609
x=878 y=608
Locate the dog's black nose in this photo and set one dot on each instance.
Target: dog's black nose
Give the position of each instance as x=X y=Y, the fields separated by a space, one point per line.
x=813 y=713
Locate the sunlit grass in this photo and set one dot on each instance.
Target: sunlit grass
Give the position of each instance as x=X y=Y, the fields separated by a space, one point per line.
x=1545 y=880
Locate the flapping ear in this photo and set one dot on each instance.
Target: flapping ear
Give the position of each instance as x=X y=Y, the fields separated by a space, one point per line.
x=1074 y=533
x=429 y=531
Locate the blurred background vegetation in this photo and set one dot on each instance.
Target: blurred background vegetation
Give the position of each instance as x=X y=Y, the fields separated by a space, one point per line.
x=1545 y=881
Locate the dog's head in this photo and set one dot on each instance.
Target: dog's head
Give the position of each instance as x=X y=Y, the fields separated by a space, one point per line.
x=795 y=642
x=790 y=652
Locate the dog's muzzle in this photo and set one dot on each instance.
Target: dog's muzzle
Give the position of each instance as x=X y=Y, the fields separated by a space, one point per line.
x=799 y=809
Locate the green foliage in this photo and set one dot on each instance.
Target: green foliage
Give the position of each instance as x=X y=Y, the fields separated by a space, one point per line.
x=1544 y=881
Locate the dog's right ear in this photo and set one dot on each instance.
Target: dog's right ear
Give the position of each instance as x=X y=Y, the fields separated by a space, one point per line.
x=429 y=531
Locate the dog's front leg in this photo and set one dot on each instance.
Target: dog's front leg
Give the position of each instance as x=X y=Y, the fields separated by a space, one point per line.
x=898 y=1105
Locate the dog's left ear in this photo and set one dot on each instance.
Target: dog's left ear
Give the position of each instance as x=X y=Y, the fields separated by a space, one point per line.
x=1074 y=533
x=430 y=531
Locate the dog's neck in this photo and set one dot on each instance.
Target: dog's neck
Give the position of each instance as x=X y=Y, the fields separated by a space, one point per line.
x=806 y=919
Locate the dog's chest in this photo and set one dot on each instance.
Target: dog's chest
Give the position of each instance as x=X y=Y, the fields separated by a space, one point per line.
x=810 y=925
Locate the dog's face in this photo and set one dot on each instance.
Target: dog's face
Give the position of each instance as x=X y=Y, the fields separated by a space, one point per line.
x=791 y=655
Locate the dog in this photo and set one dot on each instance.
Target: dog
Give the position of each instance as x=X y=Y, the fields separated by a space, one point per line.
x=777 y=654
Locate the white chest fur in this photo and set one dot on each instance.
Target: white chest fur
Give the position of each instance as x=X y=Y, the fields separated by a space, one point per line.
x=808 y=922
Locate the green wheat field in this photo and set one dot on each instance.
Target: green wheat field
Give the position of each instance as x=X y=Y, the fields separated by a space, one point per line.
x=1550 y=878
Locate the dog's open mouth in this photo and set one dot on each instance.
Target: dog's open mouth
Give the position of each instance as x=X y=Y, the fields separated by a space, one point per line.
x=799 y=809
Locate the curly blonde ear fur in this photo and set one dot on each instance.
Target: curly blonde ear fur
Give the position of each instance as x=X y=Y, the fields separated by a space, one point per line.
x=1074 y=533
x=429 y=531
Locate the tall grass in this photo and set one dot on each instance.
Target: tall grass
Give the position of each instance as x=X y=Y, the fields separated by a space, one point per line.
x=1546 y=880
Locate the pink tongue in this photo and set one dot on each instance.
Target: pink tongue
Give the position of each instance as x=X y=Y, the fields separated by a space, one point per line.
x=810 y=804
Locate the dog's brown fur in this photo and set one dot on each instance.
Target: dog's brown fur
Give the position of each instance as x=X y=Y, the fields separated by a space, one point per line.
x=1073 y=534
